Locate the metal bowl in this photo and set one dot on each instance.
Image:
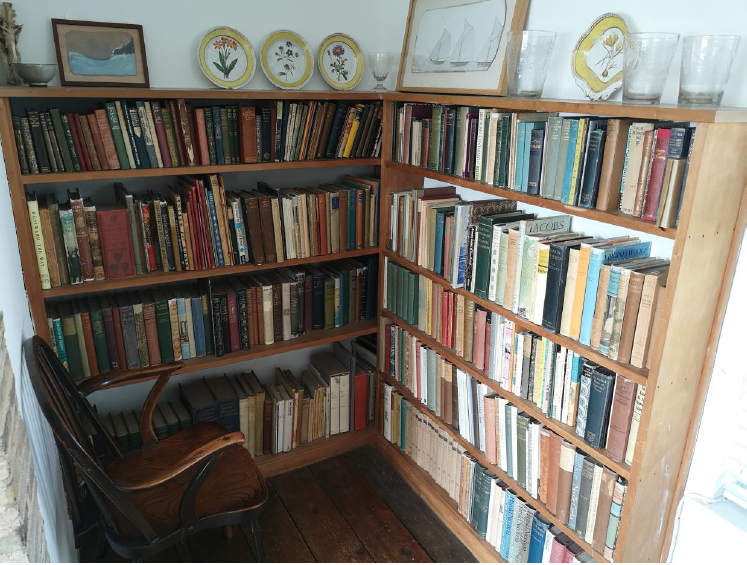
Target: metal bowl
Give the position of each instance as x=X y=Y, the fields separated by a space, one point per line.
x=35 y=74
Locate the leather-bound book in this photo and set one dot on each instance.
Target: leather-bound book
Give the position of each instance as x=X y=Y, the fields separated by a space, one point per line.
x=116 y=242
x=85 y=318
x=620 y=418
x=186 y=133
x=267 y=424
x=94 y=240
x=610 y=177
x=99 y=334
x=151 y=327
x=160 y=129
x=277 y=308
x=81 y=234
x=630 y=317
x=233 y=317
x=142 y=340
x=94 y=142
x=78 y=142
x=248 y=133
x=201 y=133
x=565 y=481
x=117 y=320
x=253 y=222
x=268 y=229
x=107 y=316
x=163 y=326
x=57 y=238
x=37 y=135
x=106 y=136
x=544 y=463
x=129 y=332
x=553 y=472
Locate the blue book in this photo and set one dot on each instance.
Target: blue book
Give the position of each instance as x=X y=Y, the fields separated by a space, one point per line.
x=537 y=539
x=598 y=258
x=218 y=136
x=521 y=134
x=438 y=251
x=216 y=229
x=600 y=406
x=575 y=489
x=569 y=159
x=528 y=127
x=198 y=325
x=508 y=518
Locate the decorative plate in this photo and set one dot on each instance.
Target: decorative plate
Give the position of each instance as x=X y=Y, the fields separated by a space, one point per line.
x=341 y=61
x=597 y=61
x=286 y=60
x=226 y=57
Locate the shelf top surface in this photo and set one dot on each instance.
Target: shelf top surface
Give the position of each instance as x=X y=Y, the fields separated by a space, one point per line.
x=616 y=109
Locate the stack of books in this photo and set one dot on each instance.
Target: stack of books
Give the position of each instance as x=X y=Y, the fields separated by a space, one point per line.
x=639 y=168
x=196 y=225
x=500 y=515
x=171 y=133
x=602 y=292
x=143 y=328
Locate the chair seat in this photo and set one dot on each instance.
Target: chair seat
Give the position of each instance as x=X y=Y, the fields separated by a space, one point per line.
x=233 y=485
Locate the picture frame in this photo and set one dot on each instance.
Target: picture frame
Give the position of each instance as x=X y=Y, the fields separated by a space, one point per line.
x=458 y=46
x=100 y=53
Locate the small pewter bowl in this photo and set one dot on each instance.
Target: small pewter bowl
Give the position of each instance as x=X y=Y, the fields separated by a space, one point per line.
x=35 y=74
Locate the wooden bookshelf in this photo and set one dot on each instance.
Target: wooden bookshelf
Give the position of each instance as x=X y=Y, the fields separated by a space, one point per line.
x=700 y=263
x=175 y=277
x=566 y=432
x=629 y=371
x=613 y=217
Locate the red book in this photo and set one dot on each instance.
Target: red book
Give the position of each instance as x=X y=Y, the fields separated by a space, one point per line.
x=111 y=334
x=557 y=553
x=360 y=400
x=116 y=242
x=233 y=317
x=490 y=443
x=478 y=349
x=98 y=141
x=656 y=177
x=179 y=138
x=80 y=147
x=201 y=133
x=450 y=334
x=553 y=472
x=107 y=138
x=248 y=134
x=118 y=335
x=151 y=330
x=161 y=134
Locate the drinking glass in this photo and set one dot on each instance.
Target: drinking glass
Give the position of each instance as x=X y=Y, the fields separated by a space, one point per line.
x=646 y=61
x=528 y=55
x=380 y=64
x=704 y=71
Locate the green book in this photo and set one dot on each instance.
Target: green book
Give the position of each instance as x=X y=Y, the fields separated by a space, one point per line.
x=99 y=335
x=57 y=334
x=391 y=287
x=412 y=298
x=70 y=142
x=436 y=133
x=565 y=132
x=62 y=140
x=119 y=143
x=484 y=247
x=227 y=151
x=163 y=325
x=554 y=127
x=522 y=425
x=399 y=282
x=70 y=336
x=504 y=152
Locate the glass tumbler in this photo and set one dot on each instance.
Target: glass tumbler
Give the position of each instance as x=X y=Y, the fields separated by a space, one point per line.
x=646 y=61
x=704 y=71
x=528 y=56
x=380 y=64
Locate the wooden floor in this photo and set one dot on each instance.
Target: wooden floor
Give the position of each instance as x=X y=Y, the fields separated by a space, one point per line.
x=353 y=507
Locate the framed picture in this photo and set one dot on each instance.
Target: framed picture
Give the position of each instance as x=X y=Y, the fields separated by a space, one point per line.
x=458 y=46
x=100 y=53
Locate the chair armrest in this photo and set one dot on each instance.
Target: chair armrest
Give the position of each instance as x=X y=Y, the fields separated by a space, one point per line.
x=160 y=476
x=118 y=378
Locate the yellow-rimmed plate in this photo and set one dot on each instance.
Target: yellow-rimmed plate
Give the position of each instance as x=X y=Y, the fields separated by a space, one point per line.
x=226 y=57
x=597 y=61
x=341 y=61
x=286 y=60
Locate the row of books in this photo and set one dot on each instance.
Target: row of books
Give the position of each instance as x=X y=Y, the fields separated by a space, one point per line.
x=499 y=515
x=143 y=328
x=196 y=225
x=171 y=133
x=639 y=168
x=552 y=377
x=603 y=292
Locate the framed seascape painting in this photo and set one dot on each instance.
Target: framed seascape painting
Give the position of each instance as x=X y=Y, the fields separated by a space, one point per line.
x=458 y=46
x=100 y=53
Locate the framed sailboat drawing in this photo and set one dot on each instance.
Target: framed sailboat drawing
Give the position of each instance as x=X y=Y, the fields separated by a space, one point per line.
x=458 y=46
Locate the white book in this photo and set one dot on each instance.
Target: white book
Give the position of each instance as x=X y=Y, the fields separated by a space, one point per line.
x=495 y=250
x=286 y=308
x=570 y=292
x=394 y=223
x=508 y=332
x=635 y=422
x=549 y=366
x=534 y=487
x=345 y=390
x=238 y=223
x=386 y=269
x=480 y=143
x=388 y=411
x=491 y=147
x=514 y=440
x=275 y=205
x=549 y=538
x=290 y=248
x=495 y=350
x=591 y=521
x=567 y=387
x=482 y=390
x=530 y=456
x=518 y=362
x=540 y=287
x=502 y=451
x=423 y=372
x=491 y=511
x=267 y=314
x=289 y=416
x=558 y=386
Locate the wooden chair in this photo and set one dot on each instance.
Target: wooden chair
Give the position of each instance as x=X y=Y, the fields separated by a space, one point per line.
x=158 y=495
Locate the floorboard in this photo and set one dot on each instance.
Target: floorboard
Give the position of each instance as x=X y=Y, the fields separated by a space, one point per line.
x=325 y=531
x=377 y=527
x=425 y=526
x=211 y=546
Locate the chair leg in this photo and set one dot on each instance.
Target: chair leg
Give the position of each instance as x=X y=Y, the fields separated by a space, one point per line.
x=184 y=553
x=258 y=547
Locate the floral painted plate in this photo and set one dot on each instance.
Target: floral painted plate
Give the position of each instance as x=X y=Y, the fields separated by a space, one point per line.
x=341 y=61
x=226 y=57
x=597 y=60
x=286 y=60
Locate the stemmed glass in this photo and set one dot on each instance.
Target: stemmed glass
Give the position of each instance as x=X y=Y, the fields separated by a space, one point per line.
x=380 y=64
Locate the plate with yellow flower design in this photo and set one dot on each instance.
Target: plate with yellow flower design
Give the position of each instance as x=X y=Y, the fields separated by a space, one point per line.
x=226 y=57
x=341 y=61
x=286 y=60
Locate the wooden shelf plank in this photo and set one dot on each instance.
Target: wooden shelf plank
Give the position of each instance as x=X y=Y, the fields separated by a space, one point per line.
x=628 y=371
x=612 y=217
x=566 y=432
x=477 y=454
x=311 y=339
x=160 y=277
x=197 y=170
x=439 y=500
x=608 y=108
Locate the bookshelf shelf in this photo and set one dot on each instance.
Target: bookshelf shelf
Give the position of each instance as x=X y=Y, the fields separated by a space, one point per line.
x=612 y=217
x=567 y=432
x=161 y=278
x=477 y=454
x=196 y=170
x=629 y=371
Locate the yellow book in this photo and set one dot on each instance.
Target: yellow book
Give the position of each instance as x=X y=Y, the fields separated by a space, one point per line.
x=353 y=130
x=38 y=236
x=578 y=296
x=578 y=158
